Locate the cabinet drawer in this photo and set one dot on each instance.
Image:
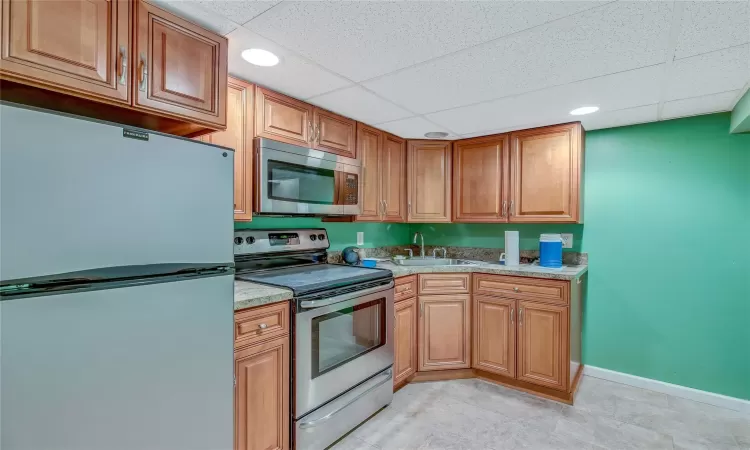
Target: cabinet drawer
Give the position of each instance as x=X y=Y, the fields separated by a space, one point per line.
x=551 y=291
x=445 y=283
x=261 y=323
x=406 y=287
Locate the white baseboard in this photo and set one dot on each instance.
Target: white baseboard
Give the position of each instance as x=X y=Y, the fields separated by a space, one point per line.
x=736 y=404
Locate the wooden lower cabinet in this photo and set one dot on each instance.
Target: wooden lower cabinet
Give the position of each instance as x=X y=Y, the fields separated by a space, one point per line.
x=526 y=336
x=261 y=391
x=444 y=332
x=494 y=335
x=405 y=340
x=543 y=344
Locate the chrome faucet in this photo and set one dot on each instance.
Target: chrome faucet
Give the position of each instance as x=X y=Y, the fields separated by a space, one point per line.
x=421 y=250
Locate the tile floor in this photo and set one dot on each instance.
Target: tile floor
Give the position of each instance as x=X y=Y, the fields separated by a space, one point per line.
x=477 y=415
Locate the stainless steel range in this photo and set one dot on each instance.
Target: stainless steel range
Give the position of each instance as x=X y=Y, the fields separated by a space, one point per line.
x=342 y=355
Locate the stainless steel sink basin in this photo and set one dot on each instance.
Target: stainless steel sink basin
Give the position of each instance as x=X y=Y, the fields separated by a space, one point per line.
x=433 y=262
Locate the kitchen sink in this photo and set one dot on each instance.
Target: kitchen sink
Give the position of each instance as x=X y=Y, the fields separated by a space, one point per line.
x=433 y=262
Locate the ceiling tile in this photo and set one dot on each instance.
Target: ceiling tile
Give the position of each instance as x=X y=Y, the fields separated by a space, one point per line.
x=413 y=128
x=699 y=105
x=238 y=11
x=604 y=40
x=364 y=39
x=553 y=105
x=293 y=76
x=710 y=26
x=360 y=104
x=195 y=13
x=710 y=73
x=611 y=119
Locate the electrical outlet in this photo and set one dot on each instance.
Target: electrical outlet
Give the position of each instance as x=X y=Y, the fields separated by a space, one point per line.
x=567 y=240
x=360 y=238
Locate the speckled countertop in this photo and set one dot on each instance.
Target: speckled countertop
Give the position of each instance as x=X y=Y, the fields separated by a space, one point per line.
x=523 y=270
x=248 y=295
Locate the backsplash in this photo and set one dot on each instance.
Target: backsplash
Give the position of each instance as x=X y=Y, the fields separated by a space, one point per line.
x=470 y=253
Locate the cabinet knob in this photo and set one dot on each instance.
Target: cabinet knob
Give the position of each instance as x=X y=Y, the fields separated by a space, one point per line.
x=515 y=289
x=263 y=326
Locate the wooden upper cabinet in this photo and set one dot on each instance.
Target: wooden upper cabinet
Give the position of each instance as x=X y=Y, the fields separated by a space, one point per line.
x=334 y=133
x=543 y=344
x=429 y=181
x=179 y=68
x=546 y=172
x=79 y=47
x=494 y=335
x=283 y=118
x=480 y=179
x=262 y=396
x=239 y=136
x=444 y=332
x=405 y=340
x=393 y=178
x=369 y=146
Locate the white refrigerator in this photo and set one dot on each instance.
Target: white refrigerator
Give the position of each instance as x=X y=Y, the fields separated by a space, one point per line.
x=116 y=287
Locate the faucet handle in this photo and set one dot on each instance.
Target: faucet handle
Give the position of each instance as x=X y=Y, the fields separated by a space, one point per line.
x=411 y=252
x=435 y=250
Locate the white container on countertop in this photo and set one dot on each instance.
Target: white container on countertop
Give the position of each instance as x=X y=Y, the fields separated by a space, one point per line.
x=512 y=255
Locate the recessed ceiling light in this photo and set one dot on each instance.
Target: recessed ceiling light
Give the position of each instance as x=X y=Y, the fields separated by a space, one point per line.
x=260 y=57
x=584 y=110
x=436 y=134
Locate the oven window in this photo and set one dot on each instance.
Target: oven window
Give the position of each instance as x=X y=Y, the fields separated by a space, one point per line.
x=301 y=184
x=346 y=334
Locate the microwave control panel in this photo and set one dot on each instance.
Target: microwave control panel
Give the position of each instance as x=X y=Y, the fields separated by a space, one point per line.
x=350 y=189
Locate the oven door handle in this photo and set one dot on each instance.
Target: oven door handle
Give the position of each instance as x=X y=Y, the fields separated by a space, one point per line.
x=313 y=423
x=308 y=304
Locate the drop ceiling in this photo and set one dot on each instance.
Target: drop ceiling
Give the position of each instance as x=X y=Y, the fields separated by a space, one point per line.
x=479 y=67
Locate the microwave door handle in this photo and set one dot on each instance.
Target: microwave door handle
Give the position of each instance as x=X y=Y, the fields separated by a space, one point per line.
x=313 y=423
x=308 y=304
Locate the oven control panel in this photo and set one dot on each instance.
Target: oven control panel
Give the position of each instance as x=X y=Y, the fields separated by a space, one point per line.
x=250 y=242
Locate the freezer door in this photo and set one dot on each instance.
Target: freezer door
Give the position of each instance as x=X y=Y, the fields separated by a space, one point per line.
x=145 y=367
x=76 y=194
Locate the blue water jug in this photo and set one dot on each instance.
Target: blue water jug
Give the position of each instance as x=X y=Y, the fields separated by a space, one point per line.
x=550 y=250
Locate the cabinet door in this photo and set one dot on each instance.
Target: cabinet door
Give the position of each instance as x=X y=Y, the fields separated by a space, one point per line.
x=546 y=167
x=405 y=340
x=429 y=184
x=239 y=136
x=262 y=396
x=393 y=184
x=494 y=335
x=480 y=179
x=179 y=68
x=444 y=338
x=369 y=147
x=543 y=344
x=283 y=118
x=334 y=133
x=81 y=46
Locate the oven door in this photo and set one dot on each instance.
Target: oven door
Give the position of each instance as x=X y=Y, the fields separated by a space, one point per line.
x=341 y=342
x=298 y=180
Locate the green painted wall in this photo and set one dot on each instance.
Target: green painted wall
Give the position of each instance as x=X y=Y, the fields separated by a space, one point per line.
x=740 y=122
x=667 y=218
x=340 y=234
x=492 y=235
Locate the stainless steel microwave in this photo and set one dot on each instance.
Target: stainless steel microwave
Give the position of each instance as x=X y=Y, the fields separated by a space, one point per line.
x=294 y=180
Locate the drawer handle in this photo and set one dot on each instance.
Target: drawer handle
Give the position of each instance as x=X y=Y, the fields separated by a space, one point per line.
x=263 y=326
x=123 y=67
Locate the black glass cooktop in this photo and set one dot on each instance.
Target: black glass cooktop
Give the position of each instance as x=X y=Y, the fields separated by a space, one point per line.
x=310 y=278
